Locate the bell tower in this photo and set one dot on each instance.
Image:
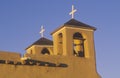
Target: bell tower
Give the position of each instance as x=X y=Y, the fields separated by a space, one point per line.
x=74 y=38
x=75 y=41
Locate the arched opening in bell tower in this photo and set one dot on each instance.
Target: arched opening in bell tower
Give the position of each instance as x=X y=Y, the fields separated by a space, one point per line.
x=60 y=43
x=78 y=44
x=45 y=51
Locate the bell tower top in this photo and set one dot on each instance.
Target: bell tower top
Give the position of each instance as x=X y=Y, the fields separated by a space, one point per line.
x=73 y=38
x=75 y=24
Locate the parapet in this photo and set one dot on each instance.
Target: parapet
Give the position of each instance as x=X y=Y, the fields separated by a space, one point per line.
x=16 y=59
x=9 y=56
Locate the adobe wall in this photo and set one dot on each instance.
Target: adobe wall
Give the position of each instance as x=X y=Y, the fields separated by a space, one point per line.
x=51 y=67
x=10 y=56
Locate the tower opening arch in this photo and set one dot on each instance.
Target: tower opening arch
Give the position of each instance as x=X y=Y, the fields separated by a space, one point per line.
x=78 y=44
x=45 y=51
x=60 y=44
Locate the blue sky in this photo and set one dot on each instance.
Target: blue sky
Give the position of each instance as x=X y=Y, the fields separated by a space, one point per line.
x=20 y=22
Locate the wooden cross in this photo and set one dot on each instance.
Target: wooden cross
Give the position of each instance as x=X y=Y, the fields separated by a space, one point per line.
x=73 y=11
x=42 y=31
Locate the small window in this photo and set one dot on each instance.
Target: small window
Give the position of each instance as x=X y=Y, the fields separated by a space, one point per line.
x=31 y=52
x=60 y=44
x=60 y=36
x=45 y=51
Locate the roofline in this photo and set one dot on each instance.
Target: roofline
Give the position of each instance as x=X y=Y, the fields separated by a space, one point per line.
x=57 y=29
x=40 y=44
x=37 y=45
x=93 y=28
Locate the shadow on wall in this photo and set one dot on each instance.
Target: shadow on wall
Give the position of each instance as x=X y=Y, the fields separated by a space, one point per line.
x=31 y=62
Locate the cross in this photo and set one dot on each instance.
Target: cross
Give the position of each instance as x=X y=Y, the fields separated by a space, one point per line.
x=73 y=11
x=42 y=31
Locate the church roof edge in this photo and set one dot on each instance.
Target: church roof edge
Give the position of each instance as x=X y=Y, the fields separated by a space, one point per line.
x=42 y=41
x=75 y=23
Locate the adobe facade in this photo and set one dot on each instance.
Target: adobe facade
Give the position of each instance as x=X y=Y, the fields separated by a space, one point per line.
x=71 y=54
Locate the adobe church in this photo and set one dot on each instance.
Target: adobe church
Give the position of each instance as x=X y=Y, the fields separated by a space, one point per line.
x=71 y=54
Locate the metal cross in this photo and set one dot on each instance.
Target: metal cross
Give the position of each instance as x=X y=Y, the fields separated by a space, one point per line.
x=73 y=11
x=42 y=31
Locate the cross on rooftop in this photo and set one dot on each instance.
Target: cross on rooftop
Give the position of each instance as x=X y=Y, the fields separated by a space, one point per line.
x=73 y=11
x=42 y=31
